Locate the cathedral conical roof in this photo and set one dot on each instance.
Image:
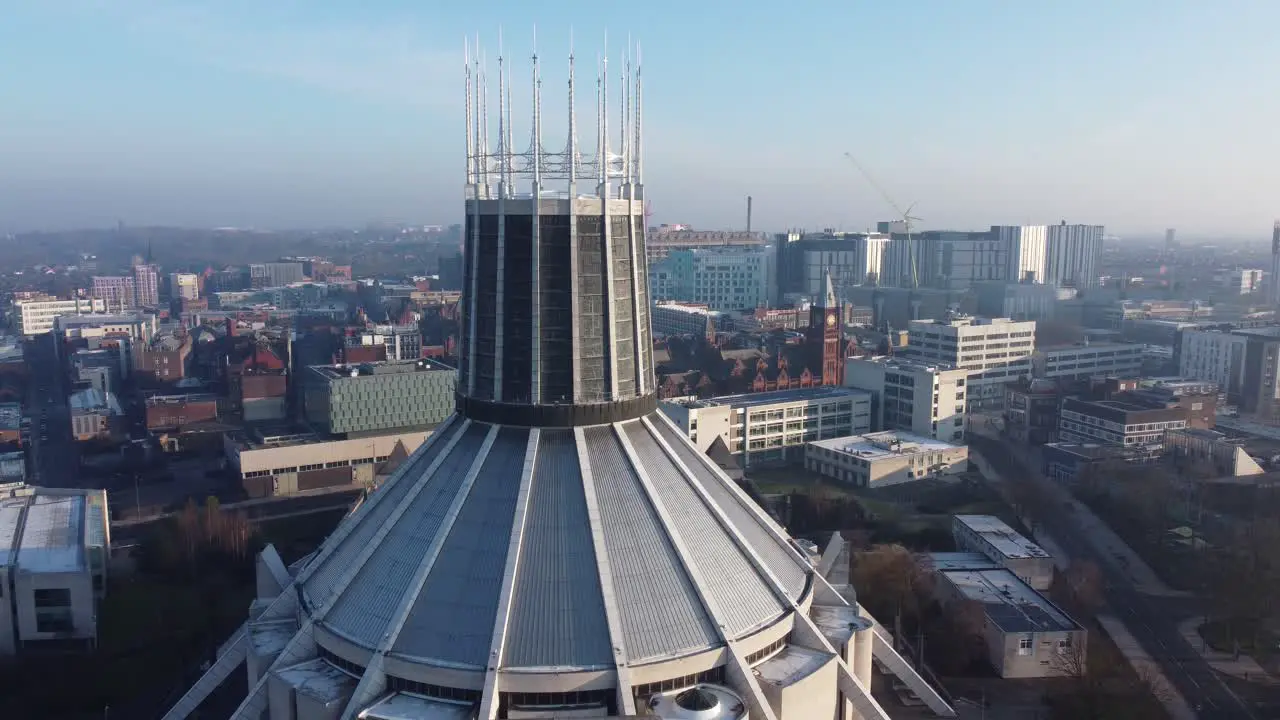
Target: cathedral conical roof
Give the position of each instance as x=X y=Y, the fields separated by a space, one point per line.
x=557 y=548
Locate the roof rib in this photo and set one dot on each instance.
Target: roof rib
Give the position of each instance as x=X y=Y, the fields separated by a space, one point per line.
x=489 y=699
x=759 y=703
x=349 y=574
x=617 y=638
x=374 y=681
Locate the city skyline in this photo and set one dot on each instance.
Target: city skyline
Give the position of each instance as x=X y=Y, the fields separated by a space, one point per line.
x=233 y=115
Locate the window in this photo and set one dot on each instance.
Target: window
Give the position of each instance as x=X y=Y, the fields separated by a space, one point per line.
x=1026 y=644
x=53 y=597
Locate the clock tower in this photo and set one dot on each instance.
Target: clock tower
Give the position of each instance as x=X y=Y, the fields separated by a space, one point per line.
x=826 y=335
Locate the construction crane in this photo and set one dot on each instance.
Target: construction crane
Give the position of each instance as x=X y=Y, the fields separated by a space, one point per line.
x=907 y=217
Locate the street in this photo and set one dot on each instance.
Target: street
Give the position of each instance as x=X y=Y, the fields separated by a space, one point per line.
x=53 y=453
x=1152 y=620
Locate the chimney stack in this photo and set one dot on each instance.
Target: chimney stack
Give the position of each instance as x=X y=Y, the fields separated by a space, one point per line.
x=748 y=213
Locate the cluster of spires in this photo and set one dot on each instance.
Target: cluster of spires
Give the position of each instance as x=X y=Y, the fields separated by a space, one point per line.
x=494 y=172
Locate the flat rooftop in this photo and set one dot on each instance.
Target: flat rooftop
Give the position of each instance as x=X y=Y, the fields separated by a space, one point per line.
x=53 y=535
x=374 y=369
x=318 y=679
x=887 y=444
x=1121 y=406
x=1003 y=538
x=408 y=706
x=1009 y=603
x=750 y=400
x=898 y=362
x=791 y=665
x=961 y=561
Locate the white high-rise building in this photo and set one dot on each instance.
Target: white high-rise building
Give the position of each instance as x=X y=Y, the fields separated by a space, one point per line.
x=1213 y=355
x=184 y=286
x=1071 y=255
x=995 y=351
x=1025 y=247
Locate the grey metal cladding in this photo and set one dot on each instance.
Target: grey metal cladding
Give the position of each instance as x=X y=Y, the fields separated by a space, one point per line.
x=381 y=504
x=557 y=614
x=781 y=560
x=452 y=617
x=364 y=611
x=743 y=598
x=661 y=613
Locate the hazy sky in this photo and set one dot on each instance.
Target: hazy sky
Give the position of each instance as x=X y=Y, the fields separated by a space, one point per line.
x=1138 y=114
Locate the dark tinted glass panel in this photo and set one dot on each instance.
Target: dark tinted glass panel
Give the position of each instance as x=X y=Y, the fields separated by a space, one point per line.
x=517 y=310
x=593 y=383
x=486 y=306
x=555 y=293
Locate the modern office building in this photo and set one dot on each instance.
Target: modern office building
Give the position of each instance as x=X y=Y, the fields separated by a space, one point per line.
x=995 y=351
x=557 y=548
x=55 y=548
x=353 y=400
x=884 y=458
x=146 y=286
x=912 y=396
x=1085 y=360
x=402 y=342
x=118 y=292
x=184 y=286
x=992 y=537
x=943 y=259
x=722 y=279
x=35 y=315
x=275 y=274
x=1115 y=422
x=1217 y=356
x=677 y=318
x=1025 y=251
x=772 y=427
x=1071 y=255
x=1241 y=281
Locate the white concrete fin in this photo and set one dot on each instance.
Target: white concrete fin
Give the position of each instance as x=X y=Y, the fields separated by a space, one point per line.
x=902 y=670
x=741 y=678
x=229 y=659
x=489 y=698
x=301 y=647
x=273 y=576
x=806 y=634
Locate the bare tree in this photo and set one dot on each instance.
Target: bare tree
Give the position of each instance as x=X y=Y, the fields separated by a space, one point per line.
x=895 y=581
x=1085 y=584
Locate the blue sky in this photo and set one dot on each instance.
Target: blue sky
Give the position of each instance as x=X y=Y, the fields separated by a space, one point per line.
x=1138 y=114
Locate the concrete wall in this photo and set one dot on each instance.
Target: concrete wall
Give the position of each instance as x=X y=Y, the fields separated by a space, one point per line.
x=83 y=613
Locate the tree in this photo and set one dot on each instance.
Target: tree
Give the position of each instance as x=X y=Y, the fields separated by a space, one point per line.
x=1085 y=584
x=894 y=581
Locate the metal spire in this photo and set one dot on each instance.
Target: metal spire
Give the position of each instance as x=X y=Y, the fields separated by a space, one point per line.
x=624 y=123
x=572 y=160
x=536 y=144
x=484 y=123
x=471 y=147
x=511 y=158
x=639 y=140
x=502 y=123
x=477 y=161
x=604 y=115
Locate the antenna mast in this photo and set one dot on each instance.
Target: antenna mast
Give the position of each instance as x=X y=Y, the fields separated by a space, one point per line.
x=502 y=123
x=639 y=139
x=471 y=145
x=536 y=148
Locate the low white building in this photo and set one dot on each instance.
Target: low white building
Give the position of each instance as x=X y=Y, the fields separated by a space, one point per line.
x=770 y=427
x=287 y=464
x=1241 y=281
x=54 y=550
x=678 y=318
x=1026 y=635
x=993 y=538
x=885 y=458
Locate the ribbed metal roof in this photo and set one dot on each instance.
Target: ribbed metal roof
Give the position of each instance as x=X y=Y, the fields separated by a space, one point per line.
x=546 y=524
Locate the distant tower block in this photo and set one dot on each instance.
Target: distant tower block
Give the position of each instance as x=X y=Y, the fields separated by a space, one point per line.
x=1274 y=288
x=748 y=213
